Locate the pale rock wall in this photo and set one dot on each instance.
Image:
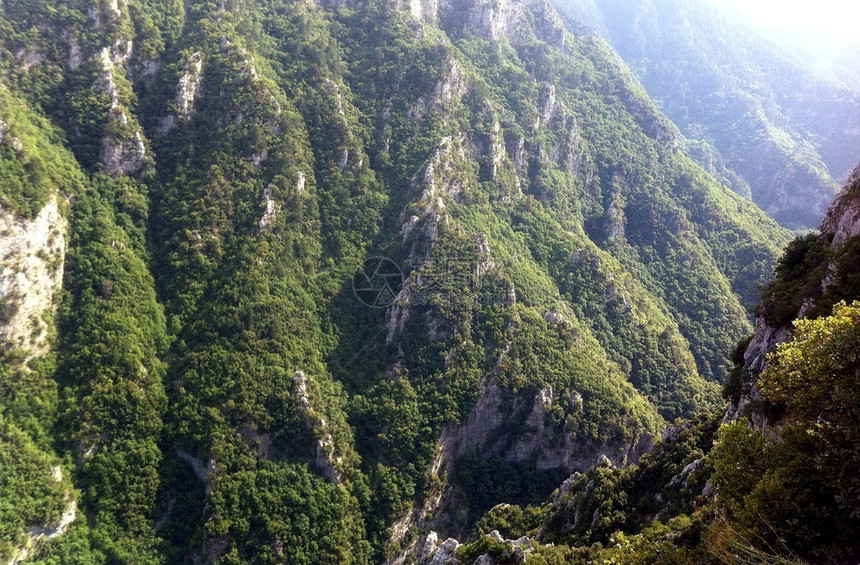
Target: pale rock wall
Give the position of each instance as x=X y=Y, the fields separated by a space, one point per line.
x=270 y=211
x=187 y=88
x=518 y=21
x=124 y=153
x=189 y=84
x=549 y=446
x=37 y=534
x=451 y=88
x=435 y=181
x=326 y=458
x=842 y=220
x=32 y=256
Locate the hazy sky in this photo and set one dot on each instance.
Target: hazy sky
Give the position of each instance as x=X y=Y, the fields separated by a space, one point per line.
x=818 y=22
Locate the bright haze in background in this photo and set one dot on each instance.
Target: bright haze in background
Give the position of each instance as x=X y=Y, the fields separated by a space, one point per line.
x=826 y=26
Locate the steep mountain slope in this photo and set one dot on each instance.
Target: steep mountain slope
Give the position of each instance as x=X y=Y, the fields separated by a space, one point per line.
x=816 y=272
x=764 y=121
x=221 y=391
x=774 y=480
x=35 y=171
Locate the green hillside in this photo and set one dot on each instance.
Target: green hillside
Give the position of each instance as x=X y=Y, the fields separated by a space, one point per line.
x=773 y=480
x=212 y=382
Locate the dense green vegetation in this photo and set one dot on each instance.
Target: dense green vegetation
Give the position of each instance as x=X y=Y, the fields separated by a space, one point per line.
x=800 y=275
x=785 y=479
x=216 y=392
x=35 y=489
x=800 y=494
x=31 y=494
x=591 y=517
x=110 y=374
x=32 y=159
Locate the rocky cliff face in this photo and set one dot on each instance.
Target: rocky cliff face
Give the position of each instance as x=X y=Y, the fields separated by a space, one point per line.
x=515 y=20
x=32 y=254
x=582 y=506
x=517 y=428
x=537 y=439
x=841 y=225
x=842 y=220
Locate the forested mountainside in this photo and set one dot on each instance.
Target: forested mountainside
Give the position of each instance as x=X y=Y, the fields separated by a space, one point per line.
x=767 y=123
x=777 y=482
x=289 y=282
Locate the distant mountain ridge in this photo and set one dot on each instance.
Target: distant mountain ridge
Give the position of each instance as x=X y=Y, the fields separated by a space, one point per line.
x=789 y=132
